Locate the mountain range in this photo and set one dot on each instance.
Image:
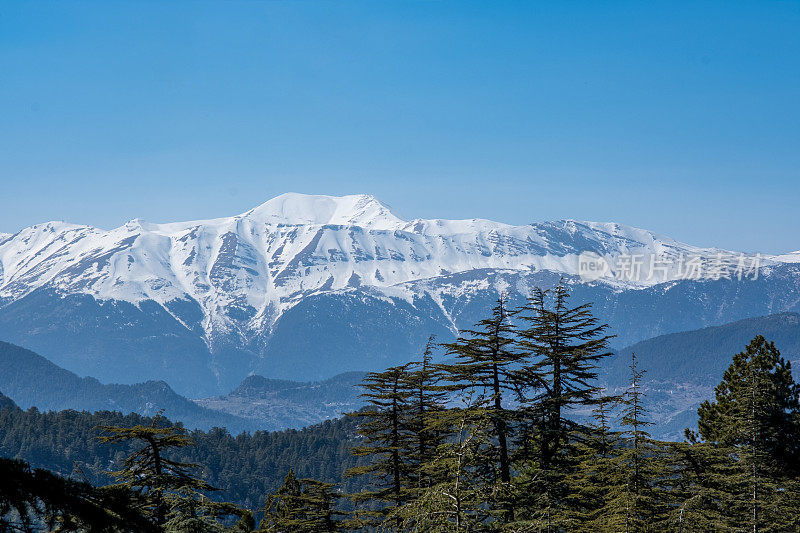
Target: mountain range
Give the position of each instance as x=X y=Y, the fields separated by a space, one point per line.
x=306 y=287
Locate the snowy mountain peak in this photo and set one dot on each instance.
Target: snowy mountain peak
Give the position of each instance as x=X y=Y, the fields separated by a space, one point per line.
x=305 y=209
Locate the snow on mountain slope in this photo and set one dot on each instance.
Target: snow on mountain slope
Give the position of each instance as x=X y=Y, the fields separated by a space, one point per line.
x=245 y=270
x=791 y=257
x=300 y=209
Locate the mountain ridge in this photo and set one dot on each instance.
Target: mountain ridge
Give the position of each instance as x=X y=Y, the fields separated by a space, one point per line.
x=285 y=403
x=205 y=303
x=30 y=380
x=245 y=271
x=682 y=368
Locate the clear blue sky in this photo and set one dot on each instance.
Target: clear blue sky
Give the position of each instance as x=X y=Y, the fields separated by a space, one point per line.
x=681 y=117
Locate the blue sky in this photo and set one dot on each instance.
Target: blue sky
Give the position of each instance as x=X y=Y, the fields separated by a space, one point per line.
x=681 y=117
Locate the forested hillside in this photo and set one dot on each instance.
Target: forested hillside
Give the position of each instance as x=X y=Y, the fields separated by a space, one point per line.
x=5 y=401
x=246 y=467
x=256 y=404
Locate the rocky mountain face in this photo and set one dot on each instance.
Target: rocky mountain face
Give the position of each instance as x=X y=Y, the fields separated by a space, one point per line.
x=279 y=404
x=306 y=287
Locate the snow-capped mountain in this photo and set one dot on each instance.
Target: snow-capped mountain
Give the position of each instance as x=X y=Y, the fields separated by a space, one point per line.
x=265 y=260
x=228 y=286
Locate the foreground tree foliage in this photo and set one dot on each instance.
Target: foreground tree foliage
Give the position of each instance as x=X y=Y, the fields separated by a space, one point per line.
x=512 y=433
x=532 y=443
x=426 y=403
x=388 y=444
x=149 y=472
x=166 y=490
x=632 y=501
x=486 y=368
x=38 y=500
x=563 y=346
x=461 y=497
x=302 y=505
x=754 y=421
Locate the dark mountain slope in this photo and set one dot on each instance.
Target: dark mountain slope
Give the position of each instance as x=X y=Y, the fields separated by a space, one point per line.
x=31 y=380
x=682 y=369
x=700 y=356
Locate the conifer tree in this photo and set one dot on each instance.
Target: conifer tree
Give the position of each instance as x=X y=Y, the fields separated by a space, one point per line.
x=588 y=484
x=487 y=364
x=755 y=414
x=459 y=497
x=758 y=381
x=603 y=438
x=701 y=487
x=283 y=507
x=564 y=346
x=166 y=489
x=320 y=498
x=387 y=442
x=302 y=506
x=632 y=499
x=192 y=512
x=426 y=401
